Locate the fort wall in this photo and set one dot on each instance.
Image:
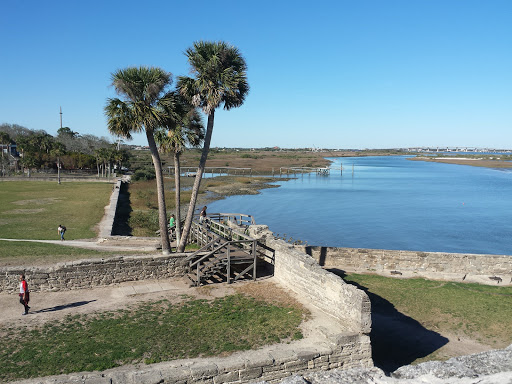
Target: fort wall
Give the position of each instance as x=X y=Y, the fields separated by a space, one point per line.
x=482 y=269
x=93 y=273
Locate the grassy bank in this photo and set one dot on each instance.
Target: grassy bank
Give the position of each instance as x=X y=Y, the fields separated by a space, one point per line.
x=472 y=160
x=464 y=311
x=20 y=253
x=34 y=210
x=150 y=333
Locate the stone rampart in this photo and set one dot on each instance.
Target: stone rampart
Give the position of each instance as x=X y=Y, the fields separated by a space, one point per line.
x=93 y=272
x=301 y=273
x=107 y=222
x=270 y=364
x=483 y=269
x=339 y=340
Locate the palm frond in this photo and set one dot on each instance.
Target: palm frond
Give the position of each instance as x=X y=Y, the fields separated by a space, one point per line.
x=220 y=76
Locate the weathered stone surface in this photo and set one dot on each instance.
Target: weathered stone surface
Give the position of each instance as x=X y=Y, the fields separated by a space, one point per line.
x=491 y=367
x=93 y=272
x=480 y=364
x=406 y=264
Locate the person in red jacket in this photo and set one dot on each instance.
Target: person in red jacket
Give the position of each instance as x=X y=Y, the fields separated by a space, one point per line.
x=24 y=294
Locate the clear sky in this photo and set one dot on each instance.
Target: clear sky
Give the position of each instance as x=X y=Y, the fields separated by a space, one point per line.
x=336 y=74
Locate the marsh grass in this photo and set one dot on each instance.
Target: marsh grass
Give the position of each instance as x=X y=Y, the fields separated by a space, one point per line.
x=150 y=333
x=34 y=210
x=143 y=219
x=480 y=312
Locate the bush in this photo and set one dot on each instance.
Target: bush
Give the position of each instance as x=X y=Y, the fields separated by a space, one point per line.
x=144 y=174
x=146 y=220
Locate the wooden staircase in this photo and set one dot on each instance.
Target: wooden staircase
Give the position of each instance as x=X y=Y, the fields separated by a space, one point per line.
x=226 y=255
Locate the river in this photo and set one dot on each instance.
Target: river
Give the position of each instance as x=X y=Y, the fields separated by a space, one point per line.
x=389 y=202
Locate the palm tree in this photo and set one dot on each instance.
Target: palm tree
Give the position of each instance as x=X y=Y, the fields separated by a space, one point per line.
x=143 y=108
x=219 y=78
x=58 y=150
x=5 y=140
x=188 y=131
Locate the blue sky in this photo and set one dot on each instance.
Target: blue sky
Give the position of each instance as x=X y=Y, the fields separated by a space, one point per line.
x=336 y=74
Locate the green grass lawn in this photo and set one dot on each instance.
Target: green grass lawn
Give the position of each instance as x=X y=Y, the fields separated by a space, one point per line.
x=34 y=210
x=480 y=312
x=18 y=253
x=152 y=332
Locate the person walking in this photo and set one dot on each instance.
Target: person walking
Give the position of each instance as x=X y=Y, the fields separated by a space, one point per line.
x=172 y=227
x=202 y=215
x=61 y=230
x=24 y=294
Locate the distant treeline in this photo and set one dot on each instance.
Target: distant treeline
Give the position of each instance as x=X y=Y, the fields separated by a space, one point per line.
x=24 y=148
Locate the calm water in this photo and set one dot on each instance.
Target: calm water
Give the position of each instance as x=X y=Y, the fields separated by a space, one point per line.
x=389 y=202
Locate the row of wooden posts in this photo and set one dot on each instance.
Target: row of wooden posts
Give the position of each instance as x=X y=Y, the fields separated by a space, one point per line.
x=189 y=171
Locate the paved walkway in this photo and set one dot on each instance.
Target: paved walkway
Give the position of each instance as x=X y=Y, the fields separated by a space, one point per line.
x=101 y=244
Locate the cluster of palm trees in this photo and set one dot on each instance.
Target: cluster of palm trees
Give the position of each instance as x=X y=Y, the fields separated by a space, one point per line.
x=41 y=150
x=170 y=118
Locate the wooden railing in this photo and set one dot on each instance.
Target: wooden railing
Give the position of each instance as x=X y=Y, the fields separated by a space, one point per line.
x=222 y=246
x=237 y=218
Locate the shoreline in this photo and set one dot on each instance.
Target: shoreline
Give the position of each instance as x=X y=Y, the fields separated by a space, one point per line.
x=475 y=162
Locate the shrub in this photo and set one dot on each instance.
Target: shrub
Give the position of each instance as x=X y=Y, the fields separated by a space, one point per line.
x=144 y=174
x=148 y=220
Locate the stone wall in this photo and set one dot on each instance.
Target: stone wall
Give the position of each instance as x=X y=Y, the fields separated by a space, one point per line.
x=271 y=364
x=107 y=222
x=93 y=273
x=483 y=269
x=301 y=273
x=340 y=340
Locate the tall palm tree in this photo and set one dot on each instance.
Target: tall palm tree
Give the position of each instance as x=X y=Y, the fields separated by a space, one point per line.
x=58 y=150
x=220 y=77
x=175 y=137
x=143 y=108
x=5 y=140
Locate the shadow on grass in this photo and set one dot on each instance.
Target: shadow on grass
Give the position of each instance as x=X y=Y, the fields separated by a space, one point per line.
x=397 y=339
x=65 y=306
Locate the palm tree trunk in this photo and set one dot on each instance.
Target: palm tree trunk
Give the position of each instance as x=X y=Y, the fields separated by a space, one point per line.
x=197 y=182
x=177 y=184
x=162 y=213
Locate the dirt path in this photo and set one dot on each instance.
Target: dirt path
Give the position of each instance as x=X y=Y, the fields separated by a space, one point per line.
x=54 y=306
x=101 y=244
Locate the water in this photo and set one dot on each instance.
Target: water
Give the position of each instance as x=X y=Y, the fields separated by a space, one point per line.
x=389 y=202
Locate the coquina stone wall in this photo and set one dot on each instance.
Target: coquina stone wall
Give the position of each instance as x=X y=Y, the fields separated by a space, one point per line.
x=269 y=364
x=93 y=272
x=345 y=344
x=301 y=273
x=483 y=269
